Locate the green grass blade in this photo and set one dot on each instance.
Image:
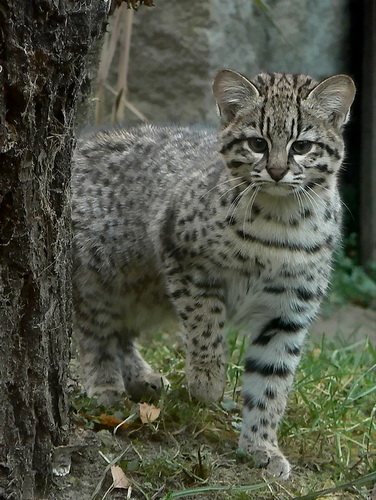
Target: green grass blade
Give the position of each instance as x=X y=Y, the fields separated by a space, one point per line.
x=210 y=489
x=368 y=478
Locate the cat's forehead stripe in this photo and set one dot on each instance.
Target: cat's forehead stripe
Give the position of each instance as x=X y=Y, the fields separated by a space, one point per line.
x=280 y=108
x=285 y=83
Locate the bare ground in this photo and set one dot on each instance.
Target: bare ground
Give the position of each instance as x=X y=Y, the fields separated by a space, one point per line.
x=346 y=322
x=88 y=471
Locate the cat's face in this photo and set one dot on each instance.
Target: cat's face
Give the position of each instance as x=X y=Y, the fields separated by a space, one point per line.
x=282 y=133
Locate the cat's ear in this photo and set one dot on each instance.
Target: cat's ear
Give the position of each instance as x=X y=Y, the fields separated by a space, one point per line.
x=232 y=91
x=335 y=96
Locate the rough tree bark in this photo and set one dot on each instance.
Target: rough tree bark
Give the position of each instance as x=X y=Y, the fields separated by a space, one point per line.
x=44 y=52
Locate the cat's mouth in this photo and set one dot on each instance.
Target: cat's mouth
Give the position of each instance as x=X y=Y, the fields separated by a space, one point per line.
x=277 y=188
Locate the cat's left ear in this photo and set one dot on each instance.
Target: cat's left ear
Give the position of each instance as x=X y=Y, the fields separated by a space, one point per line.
x=232 y=91
x=335 y=96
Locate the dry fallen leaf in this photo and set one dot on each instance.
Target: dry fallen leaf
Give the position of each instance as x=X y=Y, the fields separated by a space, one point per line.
x=148 y=413
x=119 y=478
x=111 y=421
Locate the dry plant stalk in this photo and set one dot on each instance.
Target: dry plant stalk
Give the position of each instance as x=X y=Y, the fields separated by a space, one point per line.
x=119 y=34
x=134 y=4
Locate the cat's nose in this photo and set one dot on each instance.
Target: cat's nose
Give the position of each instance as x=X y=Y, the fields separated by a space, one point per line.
x=276 y=173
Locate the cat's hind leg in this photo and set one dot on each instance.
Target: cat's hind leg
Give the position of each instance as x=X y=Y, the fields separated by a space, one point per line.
x=113 y=366
x=101 y=367
x=110 y=362
x=97 y=324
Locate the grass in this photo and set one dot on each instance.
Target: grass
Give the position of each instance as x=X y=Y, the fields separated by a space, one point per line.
x=350 y=281
x=332 y=413
x=328 y=432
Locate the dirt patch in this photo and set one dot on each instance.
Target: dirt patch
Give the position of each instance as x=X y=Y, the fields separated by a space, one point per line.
x=346 y=322
x=179 y=453
x=202 y=463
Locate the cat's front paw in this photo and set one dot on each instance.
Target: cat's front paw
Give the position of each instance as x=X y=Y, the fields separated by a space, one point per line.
x=271 y=459
x=148 y=387
x=279 y=466
x=206 y=385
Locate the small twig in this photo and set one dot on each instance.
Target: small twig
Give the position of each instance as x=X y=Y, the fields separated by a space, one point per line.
x=108 y=491
x=132 y=417
x=122 y=73
x=104 y=457
x=127 y=104
x=110 y=464
x=155 y=496
x=135 y=111
x=137 y=452
x=108 y=52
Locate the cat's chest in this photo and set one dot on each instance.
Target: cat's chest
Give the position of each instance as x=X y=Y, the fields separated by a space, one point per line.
x=240 y=295
x=239 y=231
x=266 y=243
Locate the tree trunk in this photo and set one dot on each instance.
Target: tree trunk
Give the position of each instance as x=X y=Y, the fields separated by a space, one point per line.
x=44 y=52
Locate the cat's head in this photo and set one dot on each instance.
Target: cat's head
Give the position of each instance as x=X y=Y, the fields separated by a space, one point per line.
x=281 y=132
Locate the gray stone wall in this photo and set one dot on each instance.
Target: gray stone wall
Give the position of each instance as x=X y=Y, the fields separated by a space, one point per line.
x=178 y=45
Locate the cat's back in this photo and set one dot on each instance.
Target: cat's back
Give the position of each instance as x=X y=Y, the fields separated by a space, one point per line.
x=117 y=155
x=123 y=178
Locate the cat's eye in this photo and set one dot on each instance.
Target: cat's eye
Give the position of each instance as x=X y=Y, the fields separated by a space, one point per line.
x=258 y=145
x=301 y=147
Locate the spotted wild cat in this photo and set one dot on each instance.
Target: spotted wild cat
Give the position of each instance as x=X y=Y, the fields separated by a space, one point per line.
x=175 y=222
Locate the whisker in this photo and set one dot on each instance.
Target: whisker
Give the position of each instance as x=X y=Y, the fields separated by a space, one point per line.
x=298 y=196
x=348 y=209
x=250 y=202
x=342 y=202
x=314 y=202
x=231 y=189
x=236 y=202
x=220 y=184
x=234 y=205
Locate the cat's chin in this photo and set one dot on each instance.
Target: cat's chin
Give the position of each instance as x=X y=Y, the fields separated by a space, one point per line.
x=275 y=189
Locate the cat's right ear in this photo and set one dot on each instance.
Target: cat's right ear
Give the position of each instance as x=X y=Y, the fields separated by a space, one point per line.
x=335 y=96
x=232 y=91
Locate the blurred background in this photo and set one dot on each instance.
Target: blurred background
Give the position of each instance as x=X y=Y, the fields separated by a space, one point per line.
x=158 y=63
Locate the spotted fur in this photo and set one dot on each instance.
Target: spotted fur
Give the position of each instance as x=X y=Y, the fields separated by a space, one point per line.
x=173 y=223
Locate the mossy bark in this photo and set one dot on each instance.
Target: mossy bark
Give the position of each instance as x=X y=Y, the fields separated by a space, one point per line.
x=45 y=47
